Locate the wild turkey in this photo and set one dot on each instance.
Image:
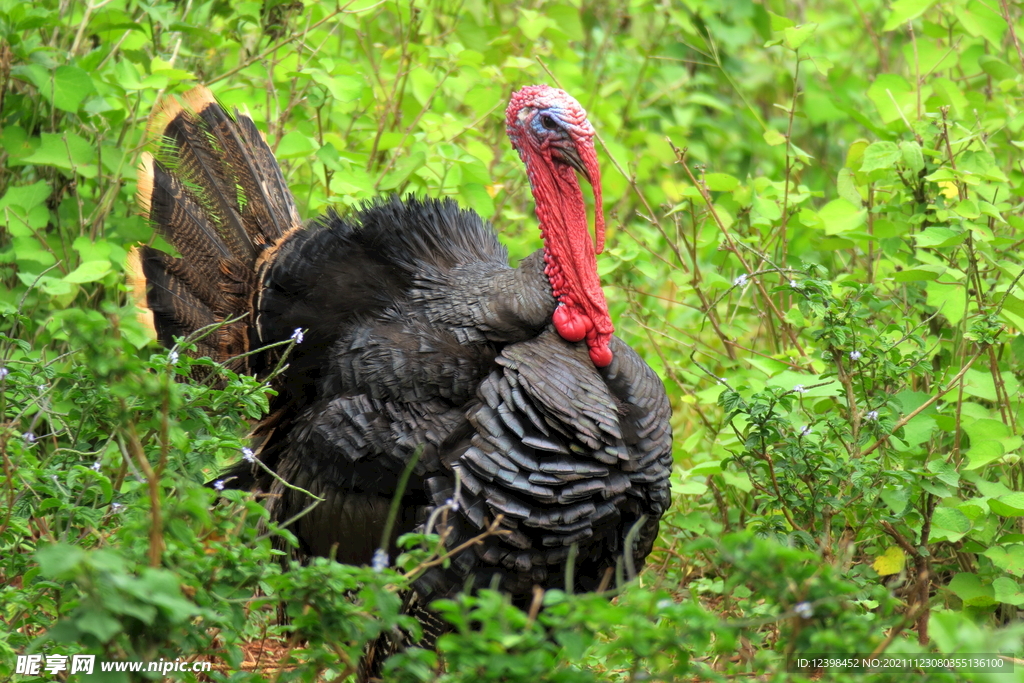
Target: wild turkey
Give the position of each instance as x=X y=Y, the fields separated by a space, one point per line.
x=418 y=336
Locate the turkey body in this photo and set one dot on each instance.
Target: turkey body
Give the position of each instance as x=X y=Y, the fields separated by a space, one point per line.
x=436 y=345
x=419 y=343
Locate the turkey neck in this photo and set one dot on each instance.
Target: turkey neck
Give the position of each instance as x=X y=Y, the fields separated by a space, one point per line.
x=569 y=256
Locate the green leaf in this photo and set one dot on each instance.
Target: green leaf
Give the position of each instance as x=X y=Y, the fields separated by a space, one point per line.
x=127 y=75
x=949 y=524
x=846 y=186
x=822 y=64
x=342 y=88
x=161 y=588
x=53 y=286
x=767 y=208
x=533 y=23
x=980 y=20
x=71 y=85
x=855 y=154
x=895 y=498
x=17 y=143
x=1009 y=505
x=903 y=11
x=60 y=561
x=1009 y=558
x=969 y=588
x=774 y=137
x=996 y=68
x=25 y=197
x=402 y=169
x=948 y=92
x=779 y=22
x=795 y=36
x=948 y=297
x=944 y=472
x=968 y=208
x=295 y=145
x=893 y=97
x=1008 y=591
x=841 y=216
x=926 y=272
x=90 y=271
x=476 y=197
x=881 y=154
x=986 y=430
x=721 y=182
x=939 y=237
x=99 y=624
x=68 y=151
x=913 y=157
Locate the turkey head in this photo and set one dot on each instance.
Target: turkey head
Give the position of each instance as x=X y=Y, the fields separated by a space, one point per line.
x=550 y=130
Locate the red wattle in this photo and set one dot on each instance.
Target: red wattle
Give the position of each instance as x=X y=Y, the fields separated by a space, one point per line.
x=553 y=156
x=571 y=326
x=601 y=356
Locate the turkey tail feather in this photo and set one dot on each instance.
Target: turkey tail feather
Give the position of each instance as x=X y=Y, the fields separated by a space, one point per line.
x=214 y=190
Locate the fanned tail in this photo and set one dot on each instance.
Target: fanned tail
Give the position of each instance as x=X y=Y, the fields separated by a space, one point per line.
x=214 y=190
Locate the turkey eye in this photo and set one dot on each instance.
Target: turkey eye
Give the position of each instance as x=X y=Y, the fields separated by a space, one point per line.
x=548 y=121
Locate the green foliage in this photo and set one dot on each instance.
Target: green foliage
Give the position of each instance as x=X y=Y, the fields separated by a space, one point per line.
x=813 y=216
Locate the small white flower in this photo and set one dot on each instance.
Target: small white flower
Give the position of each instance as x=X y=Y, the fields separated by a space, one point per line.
x=855 y=355
x=297 y=335
x=247 y=455
x=172 y=357
x=380 y=560
x=804 y=610
x=3 y=372
x=29 y=437
x=871 y=415
x=806 y=430
x=794 y=284
x=452 y=505
x=800 y=389
x=116 y=507
x=721 y=380
x=219 y=484
x=740 y=281
x=96 y=466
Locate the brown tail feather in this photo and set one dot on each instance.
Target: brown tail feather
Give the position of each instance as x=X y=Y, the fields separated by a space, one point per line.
x=168 y=304
x=214 y=190
x=268 y=208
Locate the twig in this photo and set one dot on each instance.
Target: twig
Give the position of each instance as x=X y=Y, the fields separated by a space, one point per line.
x=681 y=160
x=156 y=529
x=942 y=392
x=1013 y=34
x=281 y=43
x=492 y=530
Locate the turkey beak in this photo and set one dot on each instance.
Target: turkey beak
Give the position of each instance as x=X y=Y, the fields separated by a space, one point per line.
x=572 y=158
x=583 y=157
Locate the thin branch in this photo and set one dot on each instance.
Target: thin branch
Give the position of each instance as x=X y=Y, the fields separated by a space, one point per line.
x=942 y=392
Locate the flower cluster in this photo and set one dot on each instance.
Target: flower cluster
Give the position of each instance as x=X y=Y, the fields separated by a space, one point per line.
x=380 y=560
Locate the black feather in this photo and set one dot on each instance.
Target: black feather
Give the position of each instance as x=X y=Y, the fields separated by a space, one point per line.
x=418 y=337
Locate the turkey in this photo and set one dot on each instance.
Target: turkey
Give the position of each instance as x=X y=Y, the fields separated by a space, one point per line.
x=417 y=340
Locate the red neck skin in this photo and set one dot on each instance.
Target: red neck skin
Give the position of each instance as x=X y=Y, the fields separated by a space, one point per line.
x=571 y=263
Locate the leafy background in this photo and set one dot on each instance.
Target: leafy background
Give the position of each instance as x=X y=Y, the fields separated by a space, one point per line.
x=813 y=237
